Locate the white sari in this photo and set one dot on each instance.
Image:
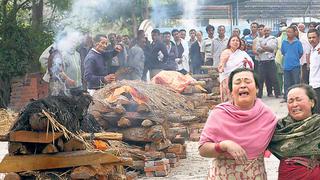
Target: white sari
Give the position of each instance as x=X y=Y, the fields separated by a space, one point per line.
x=235 y=60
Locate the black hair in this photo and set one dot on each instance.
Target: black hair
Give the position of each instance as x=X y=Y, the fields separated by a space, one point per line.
x=209 y=27
x=182 y=30
x=192 y=30
x=246 y=32
x=261 y=25
x=157 y=31
x=254 y=23
x=239 y=70
x=98 y=37
x=228 y=45
x=314 y=30
x=173 y=31
x=166 y=32
x=312 y=95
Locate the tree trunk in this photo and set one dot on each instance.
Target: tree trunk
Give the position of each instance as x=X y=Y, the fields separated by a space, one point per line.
x=37 y=14
x=134 y=18
x=5 y=90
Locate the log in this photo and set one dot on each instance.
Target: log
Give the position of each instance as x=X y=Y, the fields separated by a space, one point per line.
x=83 y=172
x=123 y=100
x=12 y=176
x=139 y=134
x=146 y=123
x=17 y=148
x=124 y=122
x=142 y=108
x=60 y=144
x=4 y=137
x=119 y=109
x=34 y=137
x=104 y=136
x=38 y=121
x=54 y=161
x=50 y=149
x=133 y=116
x=138 y=165
x=73 y=145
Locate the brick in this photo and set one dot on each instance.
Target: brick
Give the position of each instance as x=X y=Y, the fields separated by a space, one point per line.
x=175 y=148
x=161 y=162
x=139 y=165
x=131 y=175
x=150 y=174
x=156 y=168
x=173 y=160
x=149 y=163
x=170 y=155
x=161 y=173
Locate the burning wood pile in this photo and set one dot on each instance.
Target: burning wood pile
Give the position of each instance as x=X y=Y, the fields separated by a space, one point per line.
x=55 y=138
x=153 y=120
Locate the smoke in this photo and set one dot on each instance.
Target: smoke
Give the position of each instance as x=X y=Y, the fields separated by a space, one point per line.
x=159 y=13
x=189 y=13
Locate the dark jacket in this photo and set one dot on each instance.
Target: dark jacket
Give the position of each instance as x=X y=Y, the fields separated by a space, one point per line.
x=195 y=55
x=171 y=64
x=152 y=60
x=95 y=68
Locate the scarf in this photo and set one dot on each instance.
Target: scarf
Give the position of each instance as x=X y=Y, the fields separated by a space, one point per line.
x=252 y=129
x=296 y=138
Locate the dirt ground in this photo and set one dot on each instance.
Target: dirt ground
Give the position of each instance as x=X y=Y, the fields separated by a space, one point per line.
x=196 y=167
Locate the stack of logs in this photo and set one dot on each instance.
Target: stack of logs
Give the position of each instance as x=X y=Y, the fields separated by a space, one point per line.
x=47 y=155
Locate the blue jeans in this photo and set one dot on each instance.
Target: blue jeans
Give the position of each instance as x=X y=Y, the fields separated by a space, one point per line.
x=291 y=77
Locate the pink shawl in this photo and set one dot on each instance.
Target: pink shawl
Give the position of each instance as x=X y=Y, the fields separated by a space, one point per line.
x=251 y=129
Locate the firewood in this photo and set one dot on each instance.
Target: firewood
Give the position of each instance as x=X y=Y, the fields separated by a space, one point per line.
x=60 y=145
x=73 y=145
x=38 y=122
x=50 y=149
x=124 y=122
x=174 y=131
x=58 y=160
x=140 y=134
x=34 y=137
x=17 y=148
x=138 y=165
x=83 y=172
x=123 y=100
x=105 y=136
x=119 y=109
x=163 y=144
x=201 y=83
x=186 y=119
x=143 y=108
x=12 y=176
x=179 y=140
x=146 y=123
x=133 y=116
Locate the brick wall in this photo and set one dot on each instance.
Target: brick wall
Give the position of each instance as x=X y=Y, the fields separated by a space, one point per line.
x=30 y=86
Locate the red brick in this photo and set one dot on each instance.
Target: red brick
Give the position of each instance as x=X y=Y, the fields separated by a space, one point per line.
x=149 y=164
x=161 y=173
x=156 y=168
x=150 y=174
x=161 y=162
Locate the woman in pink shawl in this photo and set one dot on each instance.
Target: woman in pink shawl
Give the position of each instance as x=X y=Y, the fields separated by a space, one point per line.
x=238 y=132
x=231 y=58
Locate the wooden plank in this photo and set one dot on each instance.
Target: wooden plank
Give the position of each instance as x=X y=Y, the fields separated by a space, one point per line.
x=103 y=136
x=53 y=161
x=33 y=137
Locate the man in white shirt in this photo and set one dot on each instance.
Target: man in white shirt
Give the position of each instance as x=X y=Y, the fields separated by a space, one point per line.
x=218 y=45
x=314 y=80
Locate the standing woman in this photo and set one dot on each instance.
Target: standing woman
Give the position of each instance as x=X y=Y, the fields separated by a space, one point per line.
x=231 y=59
x=297 y=137
x=238 y=132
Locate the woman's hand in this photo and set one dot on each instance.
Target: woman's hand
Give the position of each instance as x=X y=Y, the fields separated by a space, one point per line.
x=235 y=150
x=220 y=68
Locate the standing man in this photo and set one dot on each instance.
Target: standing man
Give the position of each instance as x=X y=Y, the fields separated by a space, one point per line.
x=218 y=45
x=195 y=54
x=292 y=51
x=192 y=34
x=305 y=59
x=236 y=32
x=249 y=43
x=314 y=80
x=266 y=49
x=172 y=50
x=95 y=67
x=157 y=56
x=183 y=34
x=206 y=48
x=136 y=60
x=183 y=52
